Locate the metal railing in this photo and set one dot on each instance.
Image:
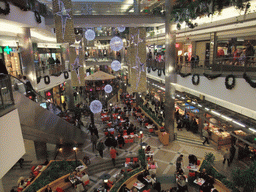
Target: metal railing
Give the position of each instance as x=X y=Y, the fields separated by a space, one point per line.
x=50 y=70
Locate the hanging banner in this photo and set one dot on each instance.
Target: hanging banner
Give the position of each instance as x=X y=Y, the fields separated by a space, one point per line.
x=137 y=60
x=64 y=24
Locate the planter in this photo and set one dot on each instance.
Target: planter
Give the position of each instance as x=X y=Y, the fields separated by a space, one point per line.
x=54 y=175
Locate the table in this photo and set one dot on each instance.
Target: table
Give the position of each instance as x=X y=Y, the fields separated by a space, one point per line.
x=199 y=181
x=192 y=167
x=138 y=185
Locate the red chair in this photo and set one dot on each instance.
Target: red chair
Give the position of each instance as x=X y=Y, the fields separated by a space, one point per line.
x=124 y=133
x=126 y=140
x=128 y=170
x=112 y=132
x=198 y=162
x=192 y=174
x=115 y=117
x=135 y=159
x=132 y=133
x=109 y=124
x=106 y=133
x=151 y=130
x=146 y=124
x=107 y=118
x=127 y=160
x=59 y=189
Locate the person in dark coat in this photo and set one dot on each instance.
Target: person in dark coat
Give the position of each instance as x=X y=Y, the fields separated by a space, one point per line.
x=120 y=141
x=94 y=140
x=108 y=141
x=232 y=153
x=100 y=147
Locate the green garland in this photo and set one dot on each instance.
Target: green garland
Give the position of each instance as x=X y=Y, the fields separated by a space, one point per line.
x=248 y=80
x=5 y=11
x=188 y=10
x=210 y=77
x=184 y=75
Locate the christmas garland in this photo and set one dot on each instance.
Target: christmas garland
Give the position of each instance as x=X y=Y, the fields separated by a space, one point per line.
x=66 y=75
x=184 y=75
x=5 y=11
x=227 y=84
x=186 y=11
x=159 y=72
x=248 y=80
x=210 y=77
x=47 y=80
x=38 y=17
x=38 y=79
x=193 y=79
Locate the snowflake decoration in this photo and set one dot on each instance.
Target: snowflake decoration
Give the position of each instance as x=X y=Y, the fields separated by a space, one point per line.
x=89 y=34
x=96 y=106
x=76 y=45
x=64 y=14
x=108 y=88
x=121 y=29
x=116 y=65
x=116 y=43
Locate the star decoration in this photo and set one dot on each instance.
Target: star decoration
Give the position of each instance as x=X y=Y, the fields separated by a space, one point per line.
x=76 y=45
x=64 y=14
x=132 y=39
x=75 y=67
x=140 y=67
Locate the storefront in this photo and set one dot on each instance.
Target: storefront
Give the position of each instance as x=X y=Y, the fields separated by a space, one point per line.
x=56 y=94
x=11 y=58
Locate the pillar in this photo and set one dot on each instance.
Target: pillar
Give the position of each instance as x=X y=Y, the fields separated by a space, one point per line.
x=28 y=57
x=213 y=47
x=69 y=94
x=41 y=150
x=170 y=75
x=1 y=185
x=136 y=5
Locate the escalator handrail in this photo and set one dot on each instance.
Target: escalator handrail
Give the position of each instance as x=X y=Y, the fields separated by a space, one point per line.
x=32 y=89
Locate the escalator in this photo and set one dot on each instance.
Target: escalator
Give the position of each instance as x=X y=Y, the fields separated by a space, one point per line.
x=40 y=124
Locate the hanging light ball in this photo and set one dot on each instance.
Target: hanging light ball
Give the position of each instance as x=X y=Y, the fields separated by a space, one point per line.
x=121 y=29
x=89 y=34
x=116 y=43
x=96 y=106
x=116 y=65
x=108 y=88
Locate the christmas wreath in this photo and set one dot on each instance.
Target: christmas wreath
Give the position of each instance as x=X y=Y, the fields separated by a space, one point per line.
x=159 y=72
x=47 y=80
x=5 y=11
x=66 y=75
x=227 y=81
x=184 y=75
x=38 y=17
x=248 y=80
x=149 y=69
x=210 y=77
x=38 y=79
x=195 y=79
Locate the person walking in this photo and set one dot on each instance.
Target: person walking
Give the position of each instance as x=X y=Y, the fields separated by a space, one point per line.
x=178 y=162
x=100 y=147
x=232 y=153
x=113 y=154
x=94 y=140
x=226 y=156
x=206 y=136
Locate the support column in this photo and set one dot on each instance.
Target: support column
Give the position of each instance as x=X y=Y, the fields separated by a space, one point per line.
x=28 y=57
x=213 y=47
x=41 y=150
x=136 y=5
x=1 y=185
x=69 y=94
x=170 y=75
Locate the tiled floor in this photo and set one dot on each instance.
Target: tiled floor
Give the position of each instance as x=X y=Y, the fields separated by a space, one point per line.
x=164 y=155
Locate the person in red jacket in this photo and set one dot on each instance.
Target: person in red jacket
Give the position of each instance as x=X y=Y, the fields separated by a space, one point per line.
x=113 y=154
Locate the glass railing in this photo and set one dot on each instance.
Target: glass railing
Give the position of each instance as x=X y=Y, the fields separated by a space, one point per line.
x=50 y=70
x=6 y=94
x=220 y=66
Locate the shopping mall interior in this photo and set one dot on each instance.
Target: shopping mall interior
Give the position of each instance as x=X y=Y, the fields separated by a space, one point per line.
x=127 y=95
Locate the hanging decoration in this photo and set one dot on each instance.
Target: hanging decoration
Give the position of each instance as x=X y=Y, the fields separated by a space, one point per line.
x=159 y=72
x=96 y=106
x=89 y=34
x=6 y=10
x=184 y=75
x=121 y=29
x=230 y=81
x=108 y=88
x=38 y=79
x=149 y=69
x=210 y=77
x=116 y=65
x=66 y=75
x=195 y=79
x=47 y=79
x=75 y=67
x=64 y=14
x=116 y=43
x=38 y=17
x=248 y=80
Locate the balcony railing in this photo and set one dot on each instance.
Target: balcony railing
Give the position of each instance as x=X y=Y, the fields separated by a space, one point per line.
x=6 y=95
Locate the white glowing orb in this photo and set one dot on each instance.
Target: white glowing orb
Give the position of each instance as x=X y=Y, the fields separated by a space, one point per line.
x=108 y=88
x=116 y=65
x=96 y=106
x=116 y=43
x=89 y=34
x=121 y=29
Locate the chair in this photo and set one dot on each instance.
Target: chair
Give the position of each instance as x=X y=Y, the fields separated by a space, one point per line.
x=135 y=159
x=127 y=160
x=59 y=189
x=85 y=179
x=146 y=124
x=151 y=130
x=198 y=162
